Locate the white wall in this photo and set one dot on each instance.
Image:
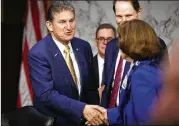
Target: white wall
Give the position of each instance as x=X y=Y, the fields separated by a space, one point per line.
x=162 y=15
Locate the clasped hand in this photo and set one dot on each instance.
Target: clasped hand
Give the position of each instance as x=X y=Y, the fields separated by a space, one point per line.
x=95 y=115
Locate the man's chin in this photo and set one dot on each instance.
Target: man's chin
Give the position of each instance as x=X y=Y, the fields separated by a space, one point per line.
x=68 y=38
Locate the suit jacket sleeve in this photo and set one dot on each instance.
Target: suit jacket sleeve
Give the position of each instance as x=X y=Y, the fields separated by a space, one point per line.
x=42 y=83
x=114 y=116
x=143 y=94
x=144 y=87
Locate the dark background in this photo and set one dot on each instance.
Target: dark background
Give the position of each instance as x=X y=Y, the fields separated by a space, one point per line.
x=12 y=14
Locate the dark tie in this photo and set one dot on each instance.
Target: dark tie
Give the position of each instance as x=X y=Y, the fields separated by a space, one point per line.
x=116 y=86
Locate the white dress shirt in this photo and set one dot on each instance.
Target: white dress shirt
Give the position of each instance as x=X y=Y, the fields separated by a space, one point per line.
x=100 y=68
x=123 y=65
x=75 y=64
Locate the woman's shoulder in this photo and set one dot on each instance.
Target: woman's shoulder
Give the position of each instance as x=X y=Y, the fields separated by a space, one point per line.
x=147 y=66
x=147 y=69
x=147 y=74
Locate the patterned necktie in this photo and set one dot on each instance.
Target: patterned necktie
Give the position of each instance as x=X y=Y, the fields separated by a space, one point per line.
x=116 y=86
x=70 y=64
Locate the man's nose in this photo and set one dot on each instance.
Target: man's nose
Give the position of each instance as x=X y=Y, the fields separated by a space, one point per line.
x=105 y=41
x=124 y=19
x=68 y=25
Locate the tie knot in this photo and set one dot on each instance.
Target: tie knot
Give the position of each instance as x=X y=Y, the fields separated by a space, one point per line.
x=67 y=49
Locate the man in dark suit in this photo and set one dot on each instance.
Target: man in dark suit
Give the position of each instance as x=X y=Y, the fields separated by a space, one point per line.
x=104 y=33
x=140 y=46
x=124 y=11
x=61 y=70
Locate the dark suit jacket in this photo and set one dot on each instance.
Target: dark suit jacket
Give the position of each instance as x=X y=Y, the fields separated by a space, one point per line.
x=55 y=93
x=111 y=54
x=137 y=95
x=96 y=70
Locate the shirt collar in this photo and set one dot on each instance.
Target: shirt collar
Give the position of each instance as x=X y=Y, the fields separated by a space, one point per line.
x=62 y=46
x=100 y=60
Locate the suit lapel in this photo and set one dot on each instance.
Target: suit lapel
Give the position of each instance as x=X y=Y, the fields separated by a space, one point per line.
x=80 y=60
x=96 y=71
x=60 y=63
x=126 y=87
x=126 y=69
x=112 y=70
x=57 y=55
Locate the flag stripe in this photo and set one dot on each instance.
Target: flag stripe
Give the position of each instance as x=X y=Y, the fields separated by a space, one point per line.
x=25 y=64
x=24 y=89
x=43 y=28
x=35 y=18
x=45 y=4
x=30 y=31
x=34 y=29
x=18 y=105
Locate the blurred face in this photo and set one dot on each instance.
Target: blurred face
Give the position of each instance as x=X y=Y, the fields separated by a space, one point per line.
x=125 y=12
x=103 y=37
x=63 y=26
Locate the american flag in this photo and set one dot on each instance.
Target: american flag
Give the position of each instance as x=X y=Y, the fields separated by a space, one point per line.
x=34 y=30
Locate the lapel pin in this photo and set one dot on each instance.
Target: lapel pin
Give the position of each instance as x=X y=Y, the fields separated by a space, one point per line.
x=55 y=54
x=76 y=49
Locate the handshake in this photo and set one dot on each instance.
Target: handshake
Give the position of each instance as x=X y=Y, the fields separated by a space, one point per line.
x=95 y=115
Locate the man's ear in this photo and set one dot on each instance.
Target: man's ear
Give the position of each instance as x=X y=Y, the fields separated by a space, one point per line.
x=49 y=26
x=139 y=13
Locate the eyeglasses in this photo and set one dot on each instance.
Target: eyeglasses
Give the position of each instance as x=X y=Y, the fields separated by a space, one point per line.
x=102 y=39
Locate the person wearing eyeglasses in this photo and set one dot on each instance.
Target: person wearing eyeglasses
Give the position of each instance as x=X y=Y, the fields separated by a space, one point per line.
x=139 y=45
x=114 y=70
x=104 y=33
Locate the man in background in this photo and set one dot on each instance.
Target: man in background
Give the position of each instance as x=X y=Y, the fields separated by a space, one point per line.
x=104 y=33
x=115 y=71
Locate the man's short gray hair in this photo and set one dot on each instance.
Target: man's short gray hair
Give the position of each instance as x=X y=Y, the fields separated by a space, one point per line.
x=57 y=7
